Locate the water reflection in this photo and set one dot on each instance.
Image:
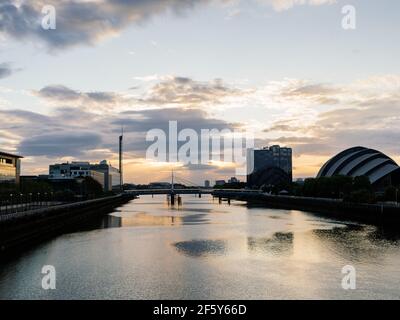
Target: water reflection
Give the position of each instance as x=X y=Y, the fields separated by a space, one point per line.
x=279 y=244
x=144 y=219
x=201 y=248
x=206 y=250
x=357 y=243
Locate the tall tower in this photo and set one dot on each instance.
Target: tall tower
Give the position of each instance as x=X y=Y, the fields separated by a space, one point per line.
x=121 y=177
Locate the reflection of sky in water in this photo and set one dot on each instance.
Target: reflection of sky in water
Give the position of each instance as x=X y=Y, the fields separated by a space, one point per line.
x=206 y=250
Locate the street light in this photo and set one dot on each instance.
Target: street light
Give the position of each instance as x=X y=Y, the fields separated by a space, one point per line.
x=29 y=200
x=21 y=195
x=11 y=201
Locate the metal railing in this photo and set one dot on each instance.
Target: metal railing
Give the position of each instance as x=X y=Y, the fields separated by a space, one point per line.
x=19 y=202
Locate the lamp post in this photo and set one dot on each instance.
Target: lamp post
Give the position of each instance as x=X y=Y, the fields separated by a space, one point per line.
x=30 y=200
x=11 y=202
x=21 y=205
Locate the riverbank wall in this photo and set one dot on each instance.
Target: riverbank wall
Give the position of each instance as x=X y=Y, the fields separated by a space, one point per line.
x=377 y=214
x=20 y=229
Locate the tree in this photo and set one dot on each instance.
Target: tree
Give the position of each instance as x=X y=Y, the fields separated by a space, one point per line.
x=360 y=196
x=91 y=187
x=362 y=183
x=390 y=193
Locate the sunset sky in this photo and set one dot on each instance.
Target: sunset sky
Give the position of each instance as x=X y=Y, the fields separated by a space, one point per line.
x=285 y=69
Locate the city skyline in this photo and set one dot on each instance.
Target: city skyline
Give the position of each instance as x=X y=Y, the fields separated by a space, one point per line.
x=285 y=69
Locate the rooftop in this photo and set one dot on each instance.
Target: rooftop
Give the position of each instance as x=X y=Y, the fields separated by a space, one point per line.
x=9 y=155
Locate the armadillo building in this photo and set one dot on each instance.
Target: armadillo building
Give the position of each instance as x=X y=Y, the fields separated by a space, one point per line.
x=381 y=170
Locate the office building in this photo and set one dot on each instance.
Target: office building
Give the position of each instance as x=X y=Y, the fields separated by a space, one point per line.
x=104 y=173
x=270 y=166
x=207 y=184
x=10 y=167
x=233 y=180
x=275 y=156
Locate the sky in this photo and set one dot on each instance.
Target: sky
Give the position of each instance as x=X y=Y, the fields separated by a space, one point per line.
x=286 y=70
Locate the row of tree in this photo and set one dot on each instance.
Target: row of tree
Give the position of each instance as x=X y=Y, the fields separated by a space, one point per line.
x=85 y=187
x=357 y=189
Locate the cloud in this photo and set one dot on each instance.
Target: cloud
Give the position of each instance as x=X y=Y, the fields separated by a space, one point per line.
x=168 y=91
x=316 y=93
x=145 y=120
x=69 y=133
x=59 y=94
x=281 y=5
x=365 y=112
x=79 y=21
x=60 y=144
x=84 y=22
x=188 y=92
x=6 y=70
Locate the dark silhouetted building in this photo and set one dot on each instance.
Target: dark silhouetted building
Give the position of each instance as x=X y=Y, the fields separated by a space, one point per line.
x=270 y=176
x=269 y=166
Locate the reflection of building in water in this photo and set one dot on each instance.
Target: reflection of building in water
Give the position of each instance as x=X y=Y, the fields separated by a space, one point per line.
x=354 y=243
x=201 y=248
x=279 y=243
x=111 y=221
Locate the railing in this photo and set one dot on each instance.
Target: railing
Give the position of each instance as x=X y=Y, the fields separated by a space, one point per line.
x=19 y=202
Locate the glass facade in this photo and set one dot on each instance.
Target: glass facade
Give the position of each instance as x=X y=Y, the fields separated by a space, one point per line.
x=274 y=156
x=9 y=168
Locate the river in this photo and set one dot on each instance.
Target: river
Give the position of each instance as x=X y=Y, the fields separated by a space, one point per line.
x=204 y=249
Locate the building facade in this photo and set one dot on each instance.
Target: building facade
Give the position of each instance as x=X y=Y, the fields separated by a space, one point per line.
x=10 y=167
x=105 y=174
x=269 y=157
x=269 y=166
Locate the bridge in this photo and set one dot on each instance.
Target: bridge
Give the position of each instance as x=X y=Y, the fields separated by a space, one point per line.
x=173 y=192
x=143 y=192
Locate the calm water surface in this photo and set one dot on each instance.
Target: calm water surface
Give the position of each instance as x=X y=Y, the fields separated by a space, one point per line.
x=206 y=250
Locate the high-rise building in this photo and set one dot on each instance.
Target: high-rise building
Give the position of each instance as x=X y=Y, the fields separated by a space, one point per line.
x=207 y=183
x=10 y=167
x=274 y=156
x=269 y=166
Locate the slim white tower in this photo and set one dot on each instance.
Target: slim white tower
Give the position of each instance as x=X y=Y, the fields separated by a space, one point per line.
x=121 y=177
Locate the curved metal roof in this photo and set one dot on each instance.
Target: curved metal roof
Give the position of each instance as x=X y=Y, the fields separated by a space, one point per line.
x=359 y=161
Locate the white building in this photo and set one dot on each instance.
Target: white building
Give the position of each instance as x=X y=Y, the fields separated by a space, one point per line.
x=104 y=173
